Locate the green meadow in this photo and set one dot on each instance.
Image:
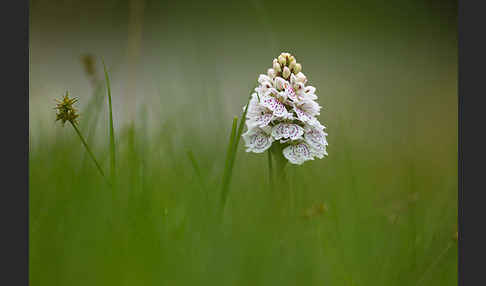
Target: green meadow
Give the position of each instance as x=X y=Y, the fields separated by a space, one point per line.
x=381 y=209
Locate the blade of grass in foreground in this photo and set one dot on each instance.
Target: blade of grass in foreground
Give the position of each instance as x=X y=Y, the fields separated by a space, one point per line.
x=232 y=151
x=240 y=131
x=197 y=170
x=226 y=173
x=112 y=132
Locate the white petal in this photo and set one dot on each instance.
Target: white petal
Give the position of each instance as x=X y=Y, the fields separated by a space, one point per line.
x=299 y=89
x=310 y=107
x=309 y=93
x=298 y=154
x=264 y=78
x=263 y=119
x=316 y=124
x=316 y=138
x=310 y=89
x=274 y=105
x=281 y=83
x=254 y=107
x=257 y=141
x=290 y=93
x=271 y=73
x=302 y=115
x=293 y=79
x=287 y=130
x=300 y=77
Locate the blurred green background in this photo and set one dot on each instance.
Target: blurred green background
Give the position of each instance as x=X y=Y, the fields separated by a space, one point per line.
x=386 y=76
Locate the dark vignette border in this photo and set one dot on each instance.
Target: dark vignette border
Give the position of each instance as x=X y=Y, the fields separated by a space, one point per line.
x=471 y=155
x=14 y=23
x=14 y=116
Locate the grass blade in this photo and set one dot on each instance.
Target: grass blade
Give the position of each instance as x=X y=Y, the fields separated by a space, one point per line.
x=193 y=161
x=240 y=127
x=200 y=179
x=232 y=151
x=226 y=173
x=112 y=132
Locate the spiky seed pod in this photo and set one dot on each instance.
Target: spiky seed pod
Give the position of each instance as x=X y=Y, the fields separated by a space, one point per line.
x=65 y=109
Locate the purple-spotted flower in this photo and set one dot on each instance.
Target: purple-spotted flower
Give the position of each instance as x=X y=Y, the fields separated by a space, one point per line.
x=283 y=110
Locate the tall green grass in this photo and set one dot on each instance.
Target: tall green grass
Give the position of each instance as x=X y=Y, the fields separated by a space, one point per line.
x=390 y=218
x=387 y=83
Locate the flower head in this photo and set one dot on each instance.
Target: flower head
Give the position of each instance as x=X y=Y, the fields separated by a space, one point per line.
x=283 y=110
x=66 y=110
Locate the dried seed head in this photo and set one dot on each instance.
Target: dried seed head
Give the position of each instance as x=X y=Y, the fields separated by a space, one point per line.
x=66 y=110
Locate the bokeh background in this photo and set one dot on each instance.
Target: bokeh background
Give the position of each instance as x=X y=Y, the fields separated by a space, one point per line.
x=386 y=76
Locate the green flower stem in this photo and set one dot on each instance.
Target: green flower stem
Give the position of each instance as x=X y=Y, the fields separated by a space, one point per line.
x=282 y=189
x=89 y=150
x=280 y=163
x=270 y=170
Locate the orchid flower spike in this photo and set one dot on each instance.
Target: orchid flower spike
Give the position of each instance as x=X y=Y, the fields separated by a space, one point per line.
x=283 y=110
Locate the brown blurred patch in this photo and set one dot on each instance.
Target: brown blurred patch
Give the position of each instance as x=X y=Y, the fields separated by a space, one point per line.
x=315 y=210
x=89 y=64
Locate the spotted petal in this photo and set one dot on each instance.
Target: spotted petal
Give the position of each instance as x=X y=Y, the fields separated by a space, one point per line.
x=280 y=83
x=316 y=139
x=287 y=131
x=308 y=93
x=298 y=154
x=302 y=115
x=264 y=119
x=273 y=104
x=257 y=140
x=264 y=78
x=290 y=93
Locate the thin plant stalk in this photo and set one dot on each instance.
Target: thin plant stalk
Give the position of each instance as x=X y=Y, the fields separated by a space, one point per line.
x=270 y=169
x=434 y=263
x=197 y=170
x=89 y=150
x=280 y=163
x=93 y=110
x=191 y=157
x=226 y=173
x=112 y=132
x=232 y=151
x=240 y=129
